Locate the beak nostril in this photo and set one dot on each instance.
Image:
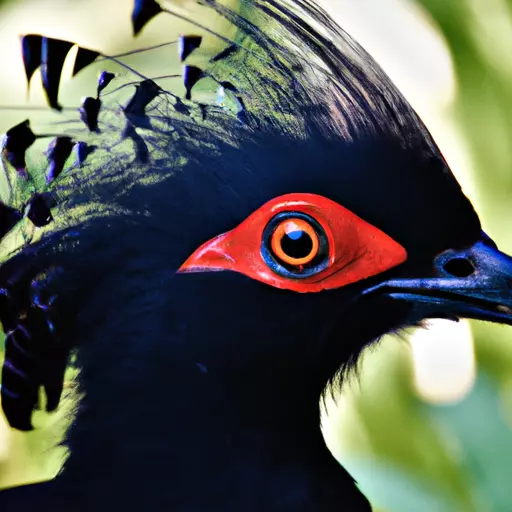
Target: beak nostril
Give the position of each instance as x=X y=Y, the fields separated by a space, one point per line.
x=459 y=267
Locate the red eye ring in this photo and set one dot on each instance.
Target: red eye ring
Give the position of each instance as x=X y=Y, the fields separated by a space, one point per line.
x=350 y=249
x=281 y=235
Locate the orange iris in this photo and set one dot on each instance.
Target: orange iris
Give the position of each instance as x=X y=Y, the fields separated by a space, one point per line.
x=299 y=233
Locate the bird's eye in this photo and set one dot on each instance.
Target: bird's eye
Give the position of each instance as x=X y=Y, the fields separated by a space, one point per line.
x=295 y=242
x=300 y=242
x=295 y=245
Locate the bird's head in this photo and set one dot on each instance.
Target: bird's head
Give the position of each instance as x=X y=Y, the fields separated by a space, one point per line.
x=284 y=228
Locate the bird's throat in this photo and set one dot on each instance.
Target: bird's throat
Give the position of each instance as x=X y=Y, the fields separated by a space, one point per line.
x=203 y=442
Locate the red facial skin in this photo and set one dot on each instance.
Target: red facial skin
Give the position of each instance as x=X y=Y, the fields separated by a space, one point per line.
x=357 y=250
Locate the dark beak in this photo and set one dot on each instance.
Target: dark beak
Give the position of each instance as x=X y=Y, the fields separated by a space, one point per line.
x=471 y=283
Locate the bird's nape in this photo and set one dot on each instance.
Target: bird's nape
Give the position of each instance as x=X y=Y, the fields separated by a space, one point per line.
x=212 y=255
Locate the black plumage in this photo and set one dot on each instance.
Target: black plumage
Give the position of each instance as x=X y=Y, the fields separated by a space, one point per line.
x=201 y=390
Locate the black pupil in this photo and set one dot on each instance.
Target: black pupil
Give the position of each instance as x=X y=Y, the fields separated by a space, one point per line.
x=297 y=244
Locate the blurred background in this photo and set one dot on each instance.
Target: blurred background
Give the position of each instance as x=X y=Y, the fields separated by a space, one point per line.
x=427 y=426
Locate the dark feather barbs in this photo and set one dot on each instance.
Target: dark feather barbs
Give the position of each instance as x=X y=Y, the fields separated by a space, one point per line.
x=84 y=58
x=227 y=52
x=58 y=152
x=53 y=55
x=9 y=217
x=34 y=357
x=39 y=209
x=187 y=44
x=191 y=75
x=17 y=140
x=141 y=148
x=145 y=92
x=31 y=46
x=103 y=81
x=83 y=150
x=89 y=112
x=143 y=12
x=50 y=54
x=21 y=137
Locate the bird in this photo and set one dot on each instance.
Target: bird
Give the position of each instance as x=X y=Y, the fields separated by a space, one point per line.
x=217 y=258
